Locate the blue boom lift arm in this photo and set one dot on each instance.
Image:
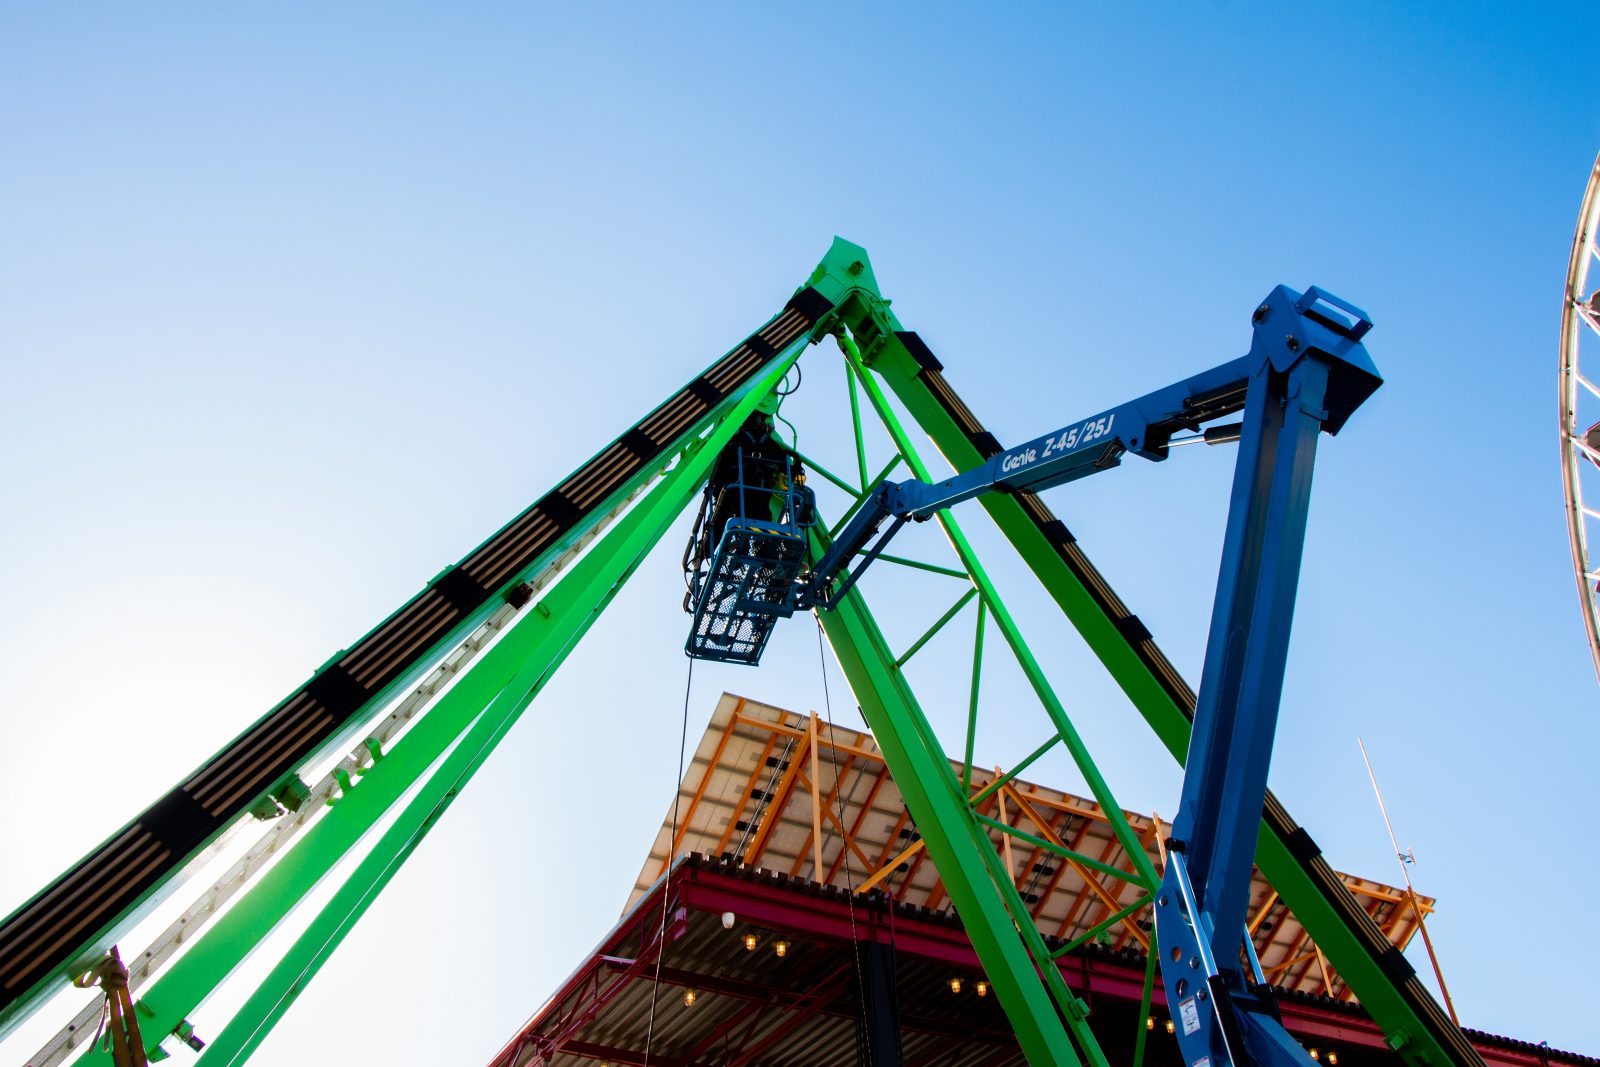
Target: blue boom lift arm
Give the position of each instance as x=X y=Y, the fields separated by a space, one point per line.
x=1144 y=427
x=1306 y=372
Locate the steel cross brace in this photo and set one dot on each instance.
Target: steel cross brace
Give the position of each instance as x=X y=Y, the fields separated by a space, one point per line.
x=1017 y=962
x=952 y=837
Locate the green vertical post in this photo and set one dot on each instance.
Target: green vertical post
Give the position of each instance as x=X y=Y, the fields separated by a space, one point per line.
x=1144 y=1009
x=972 y=702
x=855 y=421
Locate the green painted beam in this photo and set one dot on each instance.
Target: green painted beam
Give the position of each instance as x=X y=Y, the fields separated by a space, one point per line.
x=1057 y=712
x=503 y=681
x=939 y=624
x=1101 y=927
x=951 y=835
x=567 y=613
x=69 y=957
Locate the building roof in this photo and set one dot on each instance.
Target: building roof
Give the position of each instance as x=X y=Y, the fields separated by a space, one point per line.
x=746 y=879
x=627 y=1002
x=748 y=796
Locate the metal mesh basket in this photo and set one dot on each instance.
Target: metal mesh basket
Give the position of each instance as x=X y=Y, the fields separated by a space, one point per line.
x=745 y=590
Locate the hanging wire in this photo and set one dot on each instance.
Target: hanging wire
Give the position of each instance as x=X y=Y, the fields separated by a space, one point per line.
x=781 y=393
x=666 y=883
x=838 y=794
x=799 y=376
x=794 y=445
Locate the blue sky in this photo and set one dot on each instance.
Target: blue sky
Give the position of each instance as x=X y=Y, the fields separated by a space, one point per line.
x=299 y=304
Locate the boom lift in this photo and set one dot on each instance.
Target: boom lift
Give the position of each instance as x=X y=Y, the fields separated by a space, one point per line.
x=502 y=620
x=1307 y=371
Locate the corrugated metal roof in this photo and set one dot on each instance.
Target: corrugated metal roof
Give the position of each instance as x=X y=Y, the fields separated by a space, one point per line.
x=747 y=848
x=746 y=796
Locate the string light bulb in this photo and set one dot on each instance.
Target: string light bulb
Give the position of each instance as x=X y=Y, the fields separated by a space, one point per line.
x=955 y=985
x=1170 y=1028
x=781 y=947
x=983 y=988
x=689 y=997
x=1149 y=1022
x=1333 y=1058
x=1315 y=1055
x=750 y=942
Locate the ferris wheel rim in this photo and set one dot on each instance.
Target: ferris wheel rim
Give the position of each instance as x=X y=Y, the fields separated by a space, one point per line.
x=1574 y=450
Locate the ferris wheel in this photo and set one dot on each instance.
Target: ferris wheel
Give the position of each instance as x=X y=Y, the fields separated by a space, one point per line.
x=1580 y=408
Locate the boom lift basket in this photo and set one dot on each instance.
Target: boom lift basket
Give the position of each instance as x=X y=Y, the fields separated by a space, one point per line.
x=742 y=589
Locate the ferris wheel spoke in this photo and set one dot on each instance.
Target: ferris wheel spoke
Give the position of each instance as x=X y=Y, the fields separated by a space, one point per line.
x=1583 y=446
x=1587 y=313
x=1587 y=384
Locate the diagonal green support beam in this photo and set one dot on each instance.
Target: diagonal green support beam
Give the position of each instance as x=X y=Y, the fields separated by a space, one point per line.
x=1061 y=850
x=1101 y=927
x=916 y=646
x=817 y=468
x=485 y=703
x=972 y=708
x=1068 y=733
x=919 y=565
x=1412 y=1021
x=954 y=840
x=861 y=499
x=999 y=782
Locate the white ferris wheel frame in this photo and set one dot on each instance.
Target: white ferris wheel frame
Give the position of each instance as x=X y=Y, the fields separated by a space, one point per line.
x=1576 y=314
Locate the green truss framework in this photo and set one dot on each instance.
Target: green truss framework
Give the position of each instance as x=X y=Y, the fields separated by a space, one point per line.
x=410 y=785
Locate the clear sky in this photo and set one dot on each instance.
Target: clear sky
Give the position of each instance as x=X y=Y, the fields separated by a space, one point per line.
x=298 y=303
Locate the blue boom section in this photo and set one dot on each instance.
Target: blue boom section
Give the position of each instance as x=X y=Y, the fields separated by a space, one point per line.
x=1314 y=322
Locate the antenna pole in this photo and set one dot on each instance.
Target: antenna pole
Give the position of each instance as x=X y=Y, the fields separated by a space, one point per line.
x=1405 y=859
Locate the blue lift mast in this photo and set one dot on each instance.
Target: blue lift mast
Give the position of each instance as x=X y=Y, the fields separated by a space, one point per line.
x=1306 y=372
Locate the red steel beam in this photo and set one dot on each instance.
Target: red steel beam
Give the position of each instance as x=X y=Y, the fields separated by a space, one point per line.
x=803 y=912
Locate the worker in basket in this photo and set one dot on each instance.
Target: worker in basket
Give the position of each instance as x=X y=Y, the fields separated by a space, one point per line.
x=752 y=480
x=755 y=478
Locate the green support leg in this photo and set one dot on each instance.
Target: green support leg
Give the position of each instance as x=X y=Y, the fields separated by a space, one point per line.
x=523 y=658
x=950 y=833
